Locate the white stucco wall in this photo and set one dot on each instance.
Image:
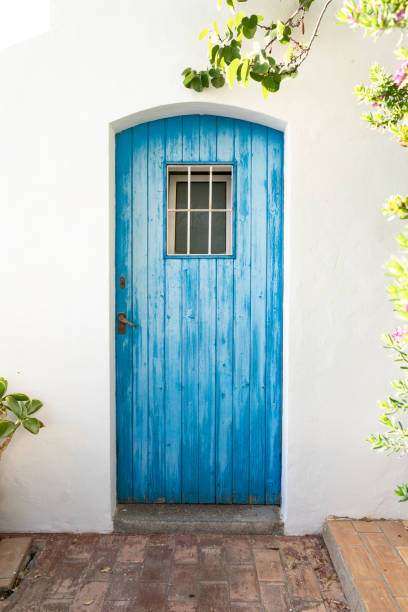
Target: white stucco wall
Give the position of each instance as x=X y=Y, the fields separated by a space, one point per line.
x=63 y=96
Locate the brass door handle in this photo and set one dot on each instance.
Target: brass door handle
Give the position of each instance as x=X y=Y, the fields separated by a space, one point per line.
x=122 y=322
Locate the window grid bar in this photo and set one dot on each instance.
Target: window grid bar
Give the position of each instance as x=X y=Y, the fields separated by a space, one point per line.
x=188 y=207
x=210 y=213
x=184 y=210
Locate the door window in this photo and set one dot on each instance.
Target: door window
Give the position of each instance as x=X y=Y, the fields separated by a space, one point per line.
x=199 y=210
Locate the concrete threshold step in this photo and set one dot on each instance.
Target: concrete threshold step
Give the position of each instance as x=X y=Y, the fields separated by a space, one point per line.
x=13 y=554
x=371 y=561
x=224 y=519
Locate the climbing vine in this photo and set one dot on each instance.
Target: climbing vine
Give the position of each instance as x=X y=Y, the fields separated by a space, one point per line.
x=252 y=47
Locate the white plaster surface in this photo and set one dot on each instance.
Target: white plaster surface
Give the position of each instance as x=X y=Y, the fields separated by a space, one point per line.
x=102 y=68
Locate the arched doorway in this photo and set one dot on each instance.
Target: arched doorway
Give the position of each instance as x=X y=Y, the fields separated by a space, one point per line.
x=199 y=216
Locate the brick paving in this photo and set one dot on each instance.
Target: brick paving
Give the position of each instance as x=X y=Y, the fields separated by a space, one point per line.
x=178 y=573
x=372 y=558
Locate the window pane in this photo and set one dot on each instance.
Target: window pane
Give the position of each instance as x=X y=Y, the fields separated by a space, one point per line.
x=218 y=233
x=181 y=194
x=199 y=233
x=180 y=242
x=219 y=194
x=189 y=233
x=200 y=194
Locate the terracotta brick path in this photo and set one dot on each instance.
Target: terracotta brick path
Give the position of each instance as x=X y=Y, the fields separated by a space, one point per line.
x=178 y=574
x=372 y=558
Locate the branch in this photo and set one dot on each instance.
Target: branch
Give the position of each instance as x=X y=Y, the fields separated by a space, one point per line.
x=324 y=9
x=6 y=443
x=304 y=53
x=228 y=60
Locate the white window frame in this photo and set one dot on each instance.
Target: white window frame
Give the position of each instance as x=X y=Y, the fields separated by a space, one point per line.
x=173 y=179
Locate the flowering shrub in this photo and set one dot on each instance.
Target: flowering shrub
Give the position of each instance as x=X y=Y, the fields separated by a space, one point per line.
x=388 y=95
x=375 y=16
x=16 y=409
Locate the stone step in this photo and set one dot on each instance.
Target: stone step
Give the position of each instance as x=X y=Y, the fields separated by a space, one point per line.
x=13 y=554
x=371 y=561
x=222 y=519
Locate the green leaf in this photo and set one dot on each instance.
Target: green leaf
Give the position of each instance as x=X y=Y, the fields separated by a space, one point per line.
x=203 y=33
x=256 y=77
x=20 y=397
x=210 y=47
x=281 y=29
x=249 y=32
x=232 y=71
x=32 y=425
x=384 y=419
x=190 y=76
x=245 y=72
x=186 y=71
x=196 y=84
x=205 y=80
x=218 y=81
x=13 y=405
x=226 y=54
x=402 y=491
x=33 y=406
x=402 y=53
x=3 y=388
x=260 y=67
x=249 y=26
x=265 y=92
x=272 y=82
x=7 y=428
x=231 y=23
x=214 y=53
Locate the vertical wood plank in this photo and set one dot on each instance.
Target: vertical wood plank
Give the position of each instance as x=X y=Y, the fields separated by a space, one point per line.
x=208 y=138
x=174 y=139
x=190 y=297
x=258 y=311
x=274 y=323
x=225 y=342
x=207 y=327
x=173 y=347
x=242 y=315
x=156 y=293
x=140 y=314
x=124 y=388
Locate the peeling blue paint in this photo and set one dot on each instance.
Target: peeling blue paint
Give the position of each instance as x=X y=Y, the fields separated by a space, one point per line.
x=199 y=380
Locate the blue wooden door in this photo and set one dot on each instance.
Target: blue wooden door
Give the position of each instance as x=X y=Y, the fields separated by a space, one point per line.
x=199 y=379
